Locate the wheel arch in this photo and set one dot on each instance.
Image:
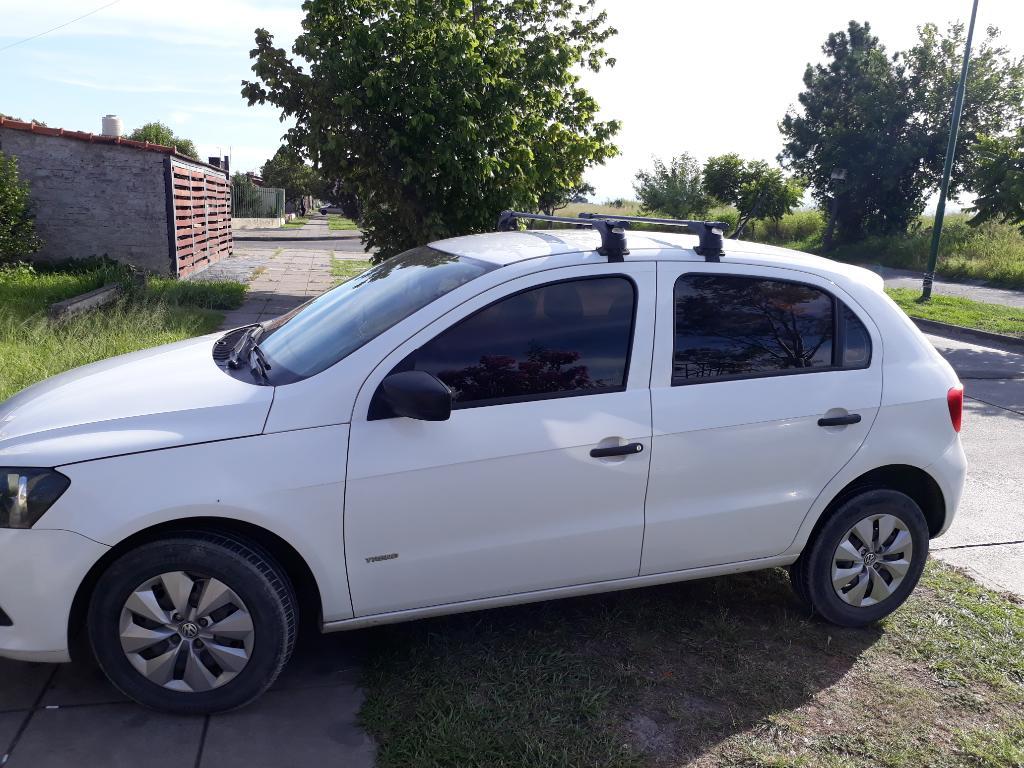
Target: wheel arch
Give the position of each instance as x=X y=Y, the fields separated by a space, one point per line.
x=905 y=478
x=304 y=583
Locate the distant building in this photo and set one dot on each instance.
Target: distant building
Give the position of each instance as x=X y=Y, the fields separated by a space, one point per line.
x=135 y=202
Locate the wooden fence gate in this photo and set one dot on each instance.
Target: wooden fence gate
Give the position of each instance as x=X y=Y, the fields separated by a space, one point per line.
x=200 y=227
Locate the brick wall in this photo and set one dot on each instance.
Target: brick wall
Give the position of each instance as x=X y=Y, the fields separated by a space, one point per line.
x=94 y=199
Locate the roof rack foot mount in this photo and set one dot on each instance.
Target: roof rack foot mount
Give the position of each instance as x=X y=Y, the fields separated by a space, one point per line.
x=613 y=228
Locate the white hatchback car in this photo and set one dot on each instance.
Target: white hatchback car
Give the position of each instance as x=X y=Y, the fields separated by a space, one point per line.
x=491 y=419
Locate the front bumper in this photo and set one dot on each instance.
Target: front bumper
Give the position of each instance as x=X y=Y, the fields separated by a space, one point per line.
x=40 y=572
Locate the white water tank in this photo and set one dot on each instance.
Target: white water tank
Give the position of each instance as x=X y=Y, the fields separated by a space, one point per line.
x=112 y=126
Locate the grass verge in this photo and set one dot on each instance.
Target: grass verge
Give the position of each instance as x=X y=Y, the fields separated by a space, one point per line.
x=338 y=222
x=963 y=312
x=33 y=348
x=346 y=269
x=298 y=221
x=728 y=671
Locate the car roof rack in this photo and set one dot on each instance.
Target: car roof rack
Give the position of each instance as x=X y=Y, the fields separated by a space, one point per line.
x=709 y=233
x=612 y=230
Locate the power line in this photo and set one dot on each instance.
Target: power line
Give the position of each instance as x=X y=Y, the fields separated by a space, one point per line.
x=59 y=26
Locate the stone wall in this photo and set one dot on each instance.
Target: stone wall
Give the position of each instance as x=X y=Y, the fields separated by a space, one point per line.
x=237 y=223
x=94 y=199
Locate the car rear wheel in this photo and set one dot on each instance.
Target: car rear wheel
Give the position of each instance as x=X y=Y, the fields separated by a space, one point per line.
x=866 y=559
x=195 y=624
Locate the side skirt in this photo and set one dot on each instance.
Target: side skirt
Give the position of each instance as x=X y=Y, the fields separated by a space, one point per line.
x=616 y=585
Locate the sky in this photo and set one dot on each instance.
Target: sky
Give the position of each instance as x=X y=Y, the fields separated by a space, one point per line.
x=697 y=77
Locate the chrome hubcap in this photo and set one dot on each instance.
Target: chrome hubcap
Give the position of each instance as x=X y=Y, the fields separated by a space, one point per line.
x=186 y=632
x=871 y=560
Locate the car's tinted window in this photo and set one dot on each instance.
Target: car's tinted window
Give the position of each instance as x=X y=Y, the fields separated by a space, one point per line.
x=728 y=326
x=323 y=331
x=564 y=338
x=857 y=346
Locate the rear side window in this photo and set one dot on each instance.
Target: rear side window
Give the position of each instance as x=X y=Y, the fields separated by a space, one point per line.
x=730 y=327
x=562 y=339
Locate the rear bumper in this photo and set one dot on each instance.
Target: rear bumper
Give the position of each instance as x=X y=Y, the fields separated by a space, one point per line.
x=40 y=571
x=950 y=472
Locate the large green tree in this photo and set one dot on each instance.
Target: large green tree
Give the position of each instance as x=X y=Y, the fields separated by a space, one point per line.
x=674 y=189
x=158 y=133
x=288 y=171
x=438 y=114
x=883 y=121
x=999 y=180
x=756 y=189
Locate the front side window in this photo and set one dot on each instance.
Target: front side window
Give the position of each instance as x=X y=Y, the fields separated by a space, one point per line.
x=728 y=326
x=565 y=338
x=318 y=334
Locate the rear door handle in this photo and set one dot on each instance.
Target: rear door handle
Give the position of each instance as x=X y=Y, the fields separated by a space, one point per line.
x=839 y=421
x=617 y=450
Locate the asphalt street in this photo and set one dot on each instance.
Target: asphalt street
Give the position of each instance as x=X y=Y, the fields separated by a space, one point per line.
x=987 y=537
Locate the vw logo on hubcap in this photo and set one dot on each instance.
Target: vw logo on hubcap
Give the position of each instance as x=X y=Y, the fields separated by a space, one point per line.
x=869 y=559
x=188 y=630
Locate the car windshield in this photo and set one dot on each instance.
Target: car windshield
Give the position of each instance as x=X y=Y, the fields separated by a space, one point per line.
x=323 y=331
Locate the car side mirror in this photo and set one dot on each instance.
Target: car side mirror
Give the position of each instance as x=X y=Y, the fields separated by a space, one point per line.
x=417 y=395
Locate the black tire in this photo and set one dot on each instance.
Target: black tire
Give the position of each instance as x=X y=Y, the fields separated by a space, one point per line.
x=812 y=573
x=796 y=580
x=246 y=570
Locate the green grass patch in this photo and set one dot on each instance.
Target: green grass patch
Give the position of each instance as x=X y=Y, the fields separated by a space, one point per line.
x=298 y=221
x=964 y=312
x=346 y=269
x=728 y=671
x=33 y=348
x=338 y=222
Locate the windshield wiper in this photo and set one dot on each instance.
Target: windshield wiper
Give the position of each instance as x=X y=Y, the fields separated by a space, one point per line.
x=262 y=366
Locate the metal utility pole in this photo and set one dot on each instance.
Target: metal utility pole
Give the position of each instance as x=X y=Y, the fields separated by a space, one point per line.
x=954 y=130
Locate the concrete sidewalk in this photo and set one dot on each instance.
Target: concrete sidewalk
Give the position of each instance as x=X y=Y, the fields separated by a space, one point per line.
x=64 y=716
x=968 y=289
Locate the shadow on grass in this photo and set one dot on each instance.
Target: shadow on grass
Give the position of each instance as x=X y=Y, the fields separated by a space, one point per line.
x=665 y=673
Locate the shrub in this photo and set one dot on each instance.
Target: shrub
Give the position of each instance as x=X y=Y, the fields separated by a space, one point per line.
x=17 y=229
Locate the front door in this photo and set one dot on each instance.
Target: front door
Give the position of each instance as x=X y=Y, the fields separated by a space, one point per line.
x=505 y=497
x=765 y=383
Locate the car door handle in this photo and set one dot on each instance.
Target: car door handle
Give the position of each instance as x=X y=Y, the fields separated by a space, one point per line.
x=617 y=450
x=839 y=421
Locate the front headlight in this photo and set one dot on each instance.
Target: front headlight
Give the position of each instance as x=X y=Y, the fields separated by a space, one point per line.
x=25 y=494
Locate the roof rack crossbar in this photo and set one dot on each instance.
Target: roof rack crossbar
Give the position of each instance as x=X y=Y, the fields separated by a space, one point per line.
x=611 y=229
x=710 y=233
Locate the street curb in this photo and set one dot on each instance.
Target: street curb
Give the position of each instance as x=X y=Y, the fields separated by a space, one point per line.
x=971 y=335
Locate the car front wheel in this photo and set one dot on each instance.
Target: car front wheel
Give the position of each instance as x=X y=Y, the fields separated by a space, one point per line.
x=194 y=624
x=865 y=560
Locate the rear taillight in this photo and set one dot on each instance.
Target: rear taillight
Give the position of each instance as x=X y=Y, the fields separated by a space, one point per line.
x=955 y=400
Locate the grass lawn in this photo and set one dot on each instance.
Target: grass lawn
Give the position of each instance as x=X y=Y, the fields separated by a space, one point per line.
x=722 y=672
x=337 y=221
x=297 y=222
x=33 y=348
x=964 y=312
x=346 y=269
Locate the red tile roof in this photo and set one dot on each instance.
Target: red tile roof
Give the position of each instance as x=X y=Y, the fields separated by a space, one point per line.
x=94 y=138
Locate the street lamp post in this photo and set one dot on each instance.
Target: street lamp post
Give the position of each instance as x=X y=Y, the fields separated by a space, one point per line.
x=954 y=130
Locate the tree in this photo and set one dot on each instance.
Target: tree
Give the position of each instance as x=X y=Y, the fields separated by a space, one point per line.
x=999 y=178
x=17 y=228
x=756 y=189
x=158 y=133
x=298 y=179
x=674 y=190
x=439 y=115
x=884 y=122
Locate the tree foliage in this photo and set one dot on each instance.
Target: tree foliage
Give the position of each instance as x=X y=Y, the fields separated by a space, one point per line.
x=1000 y=180
x=675 y=190
x=756 y=189
x=158 y=133
x=885 y=121
x=438 y=114
x=286 y=169
x=17 y=228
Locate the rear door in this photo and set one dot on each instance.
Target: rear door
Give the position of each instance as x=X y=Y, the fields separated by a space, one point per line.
x=765 y=383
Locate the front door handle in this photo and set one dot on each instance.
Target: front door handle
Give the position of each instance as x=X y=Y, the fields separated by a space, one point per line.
x=839 y=421
x=617 y=450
